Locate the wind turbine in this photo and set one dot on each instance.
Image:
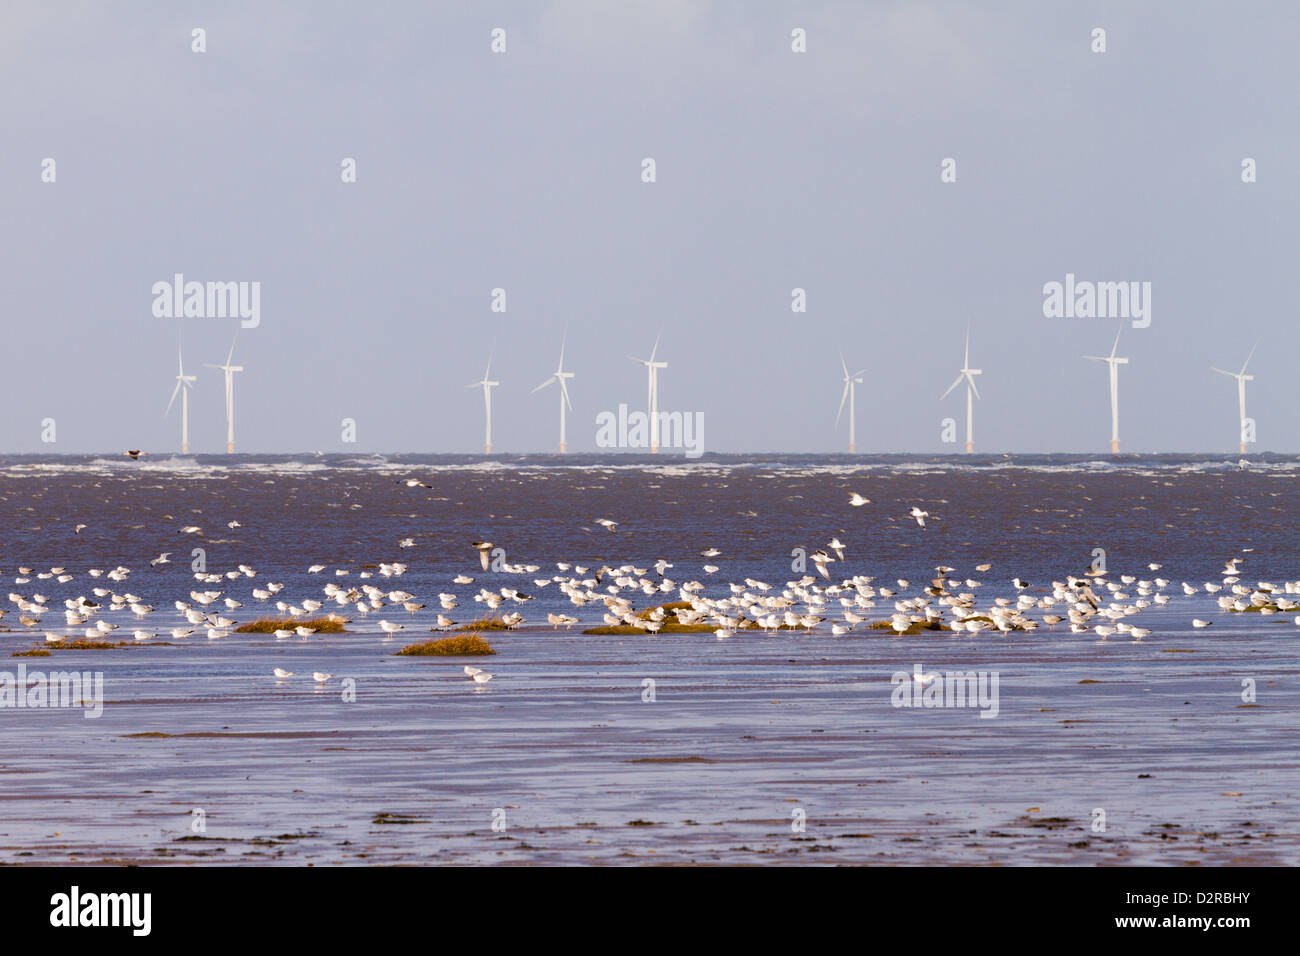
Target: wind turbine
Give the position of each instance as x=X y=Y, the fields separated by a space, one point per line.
x=559 y=376
x=972 y=392
x=652 y=398
x=850 y=394
x=1242 y=378
x=230 y=371
x=183 y=385
x=487 y=386
x=1114 y=364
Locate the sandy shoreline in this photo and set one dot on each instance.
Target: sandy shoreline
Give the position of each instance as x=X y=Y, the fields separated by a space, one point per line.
x=739 y=736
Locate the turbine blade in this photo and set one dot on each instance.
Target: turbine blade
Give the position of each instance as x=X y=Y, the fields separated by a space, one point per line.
x=1250 y=356
x=844 y=366
x=656 y=348
x=951 y=387
x=564 y=389
x=974 y=388
x=1222 y=372
x=843 y=398
x=175 y=392
x=544 y=384
x=1115 y=347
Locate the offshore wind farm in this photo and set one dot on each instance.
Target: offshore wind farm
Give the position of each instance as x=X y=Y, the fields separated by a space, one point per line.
x=659 y=420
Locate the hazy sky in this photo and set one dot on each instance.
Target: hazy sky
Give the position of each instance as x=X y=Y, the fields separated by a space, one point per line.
x=523 y=170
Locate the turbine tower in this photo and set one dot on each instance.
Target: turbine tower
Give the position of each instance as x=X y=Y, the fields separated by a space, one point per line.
x=183 y=385
x=1114 y=364
x=652 y=398
x=559 y=376
x=849 y=395
x=972 y=393
x=230 y=371
x=487 y=385
x=1242 y=378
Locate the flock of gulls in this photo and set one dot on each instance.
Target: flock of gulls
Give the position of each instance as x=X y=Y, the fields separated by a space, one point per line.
x=1093 y=603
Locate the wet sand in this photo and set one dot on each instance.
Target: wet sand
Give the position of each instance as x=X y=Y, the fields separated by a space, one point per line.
x=740 y=734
